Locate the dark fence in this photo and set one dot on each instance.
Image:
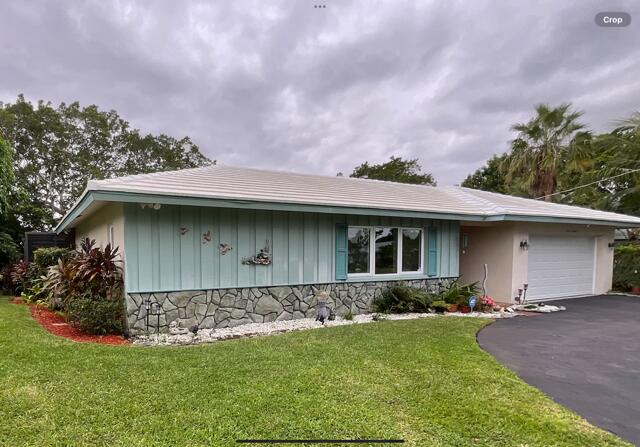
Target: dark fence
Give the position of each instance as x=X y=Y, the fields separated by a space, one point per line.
x=39 y=239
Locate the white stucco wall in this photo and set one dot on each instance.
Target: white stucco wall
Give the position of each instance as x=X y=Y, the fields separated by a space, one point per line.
x=97 y=225
x=498 y=246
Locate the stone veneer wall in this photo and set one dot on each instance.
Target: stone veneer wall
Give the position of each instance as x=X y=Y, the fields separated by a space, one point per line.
x=233 y=307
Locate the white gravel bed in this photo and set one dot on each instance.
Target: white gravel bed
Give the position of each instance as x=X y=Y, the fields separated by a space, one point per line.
x=181 y=336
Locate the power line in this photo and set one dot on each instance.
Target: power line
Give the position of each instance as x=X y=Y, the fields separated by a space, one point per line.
x=630 y=171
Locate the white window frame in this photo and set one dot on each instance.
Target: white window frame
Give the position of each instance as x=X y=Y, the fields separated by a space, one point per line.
x=372 y=252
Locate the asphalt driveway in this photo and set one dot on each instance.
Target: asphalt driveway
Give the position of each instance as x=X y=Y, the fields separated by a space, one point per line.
x=586 y=358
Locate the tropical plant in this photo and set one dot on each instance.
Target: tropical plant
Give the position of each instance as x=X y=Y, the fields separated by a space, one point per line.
x=546 y=143
x=19 y=274
x=458 y=293
x=401 y=298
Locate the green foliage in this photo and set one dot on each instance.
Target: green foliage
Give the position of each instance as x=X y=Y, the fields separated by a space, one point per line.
x=91 y=271
x=626 y=267
x=96 y=316
x=43 y=258
x=543 y=146
x=401 y=298
x=9 y=251
x=491 y=177
x=395 y=170
x=459 y=294
x=7 y=177
x=348 y=316
x=57 y=149
x=440 y=306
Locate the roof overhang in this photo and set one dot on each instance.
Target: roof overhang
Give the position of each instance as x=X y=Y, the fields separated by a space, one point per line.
x=91 y=200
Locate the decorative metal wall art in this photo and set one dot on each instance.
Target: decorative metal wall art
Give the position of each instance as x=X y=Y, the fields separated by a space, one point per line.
x=183 y=231
x=225 y=248
x=206 y=237
x=262 y=258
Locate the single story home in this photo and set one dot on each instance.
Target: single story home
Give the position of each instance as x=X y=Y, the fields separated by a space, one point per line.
x=221 y=246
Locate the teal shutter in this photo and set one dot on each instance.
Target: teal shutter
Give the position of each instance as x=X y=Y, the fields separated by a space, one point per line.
x=432 y=251
x=341 y=252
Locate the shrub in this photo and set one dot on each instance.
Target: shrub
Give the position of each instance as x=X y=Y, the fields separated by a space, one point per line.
x=458 y=293
x=626 y=266
x=440 y=306
x=9 y=251
x=43 y=258
x=348 y=316
x=96 y=316
x=401 y=298
x=19 y=274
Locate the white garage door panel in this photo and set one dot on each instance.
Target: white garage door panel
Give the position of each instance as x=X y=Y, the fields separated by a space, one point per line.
x=560 y=266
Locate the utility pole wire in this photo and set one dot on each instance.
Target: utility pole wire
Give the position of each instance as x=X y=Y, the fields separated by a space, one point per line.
x=630 y=171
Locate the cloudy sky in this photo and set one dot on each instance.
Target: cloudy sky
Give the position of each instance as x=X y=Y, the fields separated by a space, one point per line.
x=285 y=85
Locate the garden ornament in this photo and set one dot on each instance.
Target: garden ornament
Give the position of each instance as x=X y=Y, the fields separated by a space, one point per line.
x=472 y=302
x=323 y=311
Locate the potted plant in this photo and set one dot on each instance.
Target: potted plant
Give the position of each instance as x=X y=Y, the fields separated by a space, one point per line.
x=453 y=307
x=440 y=306
x=635 y=289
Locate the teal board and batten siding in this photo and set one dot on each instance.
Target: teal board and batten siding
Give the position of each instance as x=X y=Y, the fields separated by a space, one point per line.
x=165 y=249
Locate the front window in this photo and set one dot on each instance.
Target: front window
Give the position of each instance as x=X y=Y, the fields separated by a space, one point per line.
x=411 y=250
x=384 y=250
x=359 y=246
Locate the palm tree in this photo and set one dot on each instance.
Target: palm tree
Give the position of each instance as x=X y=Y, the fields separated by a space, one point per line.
x=543 y=146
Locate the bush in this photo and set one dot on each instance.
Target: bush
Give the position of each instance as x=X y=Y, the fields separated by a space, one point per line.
x=96 y=316
x=9 y=251
x=43 y=258
x=459 y=293
x=440 y=306
x=626 y=267
x=401 y=298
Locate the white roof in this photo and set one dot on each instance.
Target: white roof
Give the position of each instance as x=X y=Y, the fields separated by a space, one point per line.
x=233 y=183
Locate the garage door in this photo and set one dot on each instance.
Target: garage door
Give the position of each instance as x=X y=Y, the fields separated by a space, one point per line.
x=560 y=266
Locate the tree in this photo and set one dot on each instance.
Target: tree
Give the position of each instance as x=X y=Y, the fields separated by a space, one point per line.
x=395 y=170
x=6 y=176
x=58 y=149
x=490 y=177
x=8 y=248
x=544 y=145
x=610 y=180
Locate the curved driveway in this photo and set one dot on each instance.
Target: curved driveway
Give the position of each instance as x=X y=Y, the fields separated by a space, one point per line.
x=586 y=358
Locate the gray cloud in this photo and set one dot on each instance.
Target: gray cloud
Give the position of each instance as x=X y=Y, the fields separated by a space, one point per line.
x=284 y=85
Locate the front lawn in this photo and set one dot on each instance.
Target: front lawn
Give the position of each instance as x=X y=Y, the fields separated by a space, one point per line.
x=426 y=381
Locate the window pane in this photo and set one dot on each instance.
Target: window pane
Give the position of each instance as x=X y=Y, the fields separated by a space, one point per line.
x=411 y=250
x=359 y=250
x=386 y=250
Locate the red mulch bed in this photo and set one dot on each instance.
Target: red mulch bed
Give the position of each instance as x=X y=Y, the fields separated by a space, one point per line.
x=57 y=325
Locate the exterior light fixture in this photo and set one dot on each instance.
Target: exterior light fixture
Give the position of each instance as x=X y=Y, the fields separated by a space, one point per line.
x=612 y=244
x=524 y=245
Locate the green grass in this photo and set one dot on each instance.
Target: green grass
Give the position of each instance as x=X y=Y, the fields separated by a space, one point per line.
x=425 y=381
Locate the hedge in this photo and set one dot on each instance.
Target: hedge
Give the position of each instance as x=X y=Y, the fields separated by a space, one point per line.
x=626 y=267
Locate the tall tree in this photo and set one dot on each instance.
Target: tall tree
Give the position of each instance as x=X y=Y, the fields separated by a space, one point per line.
x=490 y=177
x=58 y=149
x=611 y=181
x=6 y=175
x=8 y=248
x=543 y=146
x=395 y=170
